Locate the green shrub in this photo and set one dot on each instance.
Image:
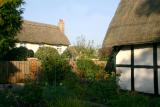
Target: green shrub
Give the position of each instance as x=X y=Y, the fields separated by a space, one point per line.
x=53 y=70
x=66 y=54
x=19 y=54
x=88 y=68
x=30 y=53
x=53 y=66
x=31 y=95
x=73 y=83
x=46 y=53
x=6 y=100
x=103 y=53
x=28 y=96
x=101 y=91
x=70 y=52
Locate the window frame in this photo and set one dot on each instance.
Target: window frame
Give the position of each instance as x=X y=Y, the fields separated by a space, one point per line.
x=155 y=65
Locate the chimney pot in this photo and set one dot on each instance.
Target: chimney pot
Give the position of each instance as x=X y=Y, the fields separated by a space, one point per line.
x=61 y=25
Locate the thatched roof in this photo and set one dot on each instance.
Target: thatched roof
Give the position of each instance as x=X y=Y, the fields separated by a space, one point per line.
x=135 y=22
x=33 y=32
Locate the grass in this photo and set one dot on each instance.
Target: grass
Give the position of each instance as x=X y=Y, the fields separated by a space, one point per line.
x=102 y=92
x=127 y=99
x=71 y=102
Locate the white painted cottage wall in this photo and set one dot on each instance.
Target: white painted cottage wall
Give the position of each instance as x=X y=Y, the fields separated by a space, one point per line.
x=35 y=47
x=143 y=77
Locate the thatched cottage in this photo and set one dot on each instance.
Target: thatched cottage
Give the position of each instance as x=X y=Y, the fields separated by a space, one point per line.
x=34 y=35
x=134 y=35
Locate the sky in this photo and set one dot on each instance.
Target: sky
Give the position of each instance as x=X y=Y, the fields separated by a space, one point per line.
x=89 y=18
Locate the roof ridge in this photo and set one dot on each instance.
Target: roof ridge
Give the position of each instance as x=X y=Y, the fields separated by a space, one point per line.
x=40 y=24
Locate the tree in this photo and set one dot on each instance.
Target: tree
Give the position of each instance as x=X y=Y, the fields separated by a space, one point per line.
x=104 y=52
x=10 y=23
x=53 y=66
x=18 y=54
x=46 y=53
x=70 y=52
x=88 y=68
x=85 y=48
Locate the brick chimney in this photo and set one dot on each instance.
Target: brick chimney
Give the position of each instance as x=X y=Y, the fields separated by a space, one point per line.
x=61 y=25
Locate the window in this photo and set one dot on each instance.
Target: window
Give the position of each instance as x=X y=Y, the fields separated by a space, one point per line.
x=143 y=56
x=139 y=69
x=123 y=57
x=143 y=80
x=124 y=80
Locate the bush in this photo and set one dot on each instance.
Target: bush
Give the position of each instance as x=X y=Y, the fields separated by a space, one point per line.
x=19 y=54
x=74 y=84
x=46 y=53
x=70 y=52
x=27 y=96
x=53 y=70
x=103 y=53
x=102 y=90
x=30 y=95
x=54 y=67
x=88 y=68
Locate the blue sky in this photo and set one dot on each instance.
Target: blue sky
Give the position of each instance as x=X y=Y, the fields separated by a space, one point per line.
x=89 y=18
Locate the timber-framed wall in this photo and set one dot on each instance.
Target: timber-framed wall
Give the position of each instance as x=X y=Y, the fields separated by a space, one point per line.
x=134 y=67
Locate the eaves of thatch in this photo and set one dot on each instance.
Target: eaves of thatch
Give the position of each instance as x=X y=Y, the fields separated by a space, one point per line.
x=135 y=22
x=39 y=33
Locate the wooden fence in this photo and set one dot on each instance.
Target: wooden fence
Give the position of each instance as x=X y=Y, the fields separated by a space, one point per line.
x=18 y=71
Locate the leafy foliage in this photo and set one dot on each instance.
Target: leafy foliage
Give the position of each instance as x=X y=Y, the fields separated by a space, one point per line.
x=53 y=68
x=10 y=23
x=88 y=68
x=28 y=96
x=70 y=52
x=71 y=90
x=103 y=53
x=102 y=90
x=74 y=84
x=19 y=54
x=46 y=53
x=110 y=67
x=85 y=48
